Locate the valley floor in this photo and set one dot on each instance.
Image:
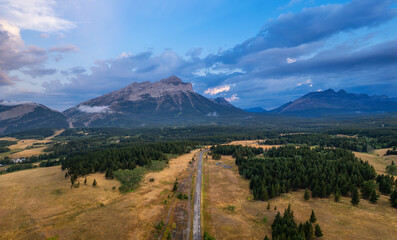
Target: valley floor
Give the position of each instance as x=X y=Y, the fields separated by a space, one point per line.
x=39 y=204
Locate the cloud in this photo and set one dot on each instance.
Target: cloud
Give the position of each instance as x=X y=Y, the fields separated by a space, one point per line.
x=64 y=48
x=215 y=70
x=273 y=64
x=39 y=72
x=93 y=109
x=291 y=60
x=307 y=82
x=216 y=90
x=74 y=71
x=14 y=54
x=37 y=15
x=233 y=98
x=14 y=103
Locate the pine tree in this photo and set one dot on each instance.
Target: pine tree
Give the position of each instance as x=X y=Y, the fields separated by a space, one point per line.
x=355 y=197
x=374 y=197
x=337 y=195
x=94 y=183
x=313 y=218
x=318 y=232
x=85 y=180
x=393 y=199
x=307 y=195
x=266 y=238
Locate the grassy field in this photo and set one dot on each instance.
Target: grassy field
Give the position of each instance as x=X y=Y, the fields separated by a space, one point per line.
x=230 y=212
x=377 y=159
x=19 y=150
x=39 y=204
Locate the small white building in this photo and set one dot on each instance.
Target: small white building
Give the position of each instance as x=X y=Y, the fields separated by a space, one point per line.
x=18 y=160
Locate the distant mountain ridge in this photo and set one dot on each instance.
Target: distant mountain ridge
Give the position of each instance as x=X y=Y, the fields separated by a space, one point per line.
x=20 y=116
x=329 y=102
x=164 y=102
x=171 y=102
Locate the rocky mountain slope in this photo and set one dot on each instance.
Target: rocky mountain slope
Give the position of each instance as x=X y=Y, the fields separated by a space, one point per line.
x=166 y=102
x=329 y=102
x=20 y=116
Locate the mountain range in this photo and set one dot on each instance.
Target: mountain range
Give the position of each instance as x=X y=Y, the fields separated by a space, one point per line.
x=172 y=102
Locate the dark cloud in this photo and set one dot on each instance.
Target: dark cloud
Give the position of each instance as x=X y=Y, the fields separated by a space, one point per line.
x=313 y=24
x=74 y=71
x=39 y=72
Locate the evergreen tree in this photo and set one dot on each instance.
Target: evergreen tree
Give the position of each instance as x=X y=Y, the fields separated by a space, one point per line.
x=175 y=186
x=374 y=197
x=85 y=180
x=266 y=238
x=318 y=232
x=307 y=195
x=94 y=183
x=337 y=195
x=393 y=199
x=355 y=196
x=313 y=218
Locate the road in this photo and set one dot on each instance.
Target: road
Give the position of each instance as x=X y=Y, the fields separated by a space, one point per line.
x=197 y=200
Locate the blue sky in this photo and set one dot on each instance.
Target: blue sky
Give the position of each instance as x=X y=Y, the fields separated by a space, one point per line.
x=253 y=53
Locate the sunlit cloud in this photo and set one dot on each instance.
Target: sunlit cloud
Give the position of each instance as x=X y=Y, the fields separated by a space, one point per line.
x=216 y=90
x=291 y=60
x=93 y=109
x=215 y=70
x=233 y=98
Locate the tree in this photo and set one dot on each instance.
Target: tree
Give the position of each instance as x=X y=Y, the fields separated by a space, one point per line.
x=337 y=195
x=266 y=238
x=94 y=183
x=85 y=180
x=268 y=206
x=317 y=231
x=175 y=186
x=313 y=218
x=374 y=197
x=355 y=197
x=393 y=198
x=307 y=195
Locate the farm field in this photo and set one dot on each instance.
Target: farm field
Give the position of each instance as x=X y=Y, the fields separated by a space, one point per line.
x=40 y=204
x=230 y=212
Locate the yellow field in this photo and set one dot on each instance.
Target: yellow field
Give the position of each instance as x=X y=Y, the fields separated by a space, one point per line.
x=252 y=143
x=39 y=204
x=377 y=159
x=20 y=148
x=225 y=187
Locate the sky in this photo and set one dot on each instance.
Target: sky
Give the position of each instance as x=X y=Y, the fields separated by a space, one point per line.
x=254 y=53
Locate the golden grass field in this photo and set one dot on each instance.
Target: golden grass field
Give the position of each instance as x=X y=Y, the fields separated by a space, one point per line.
x=377 y=159
x=19 y=150
x=39 y=204
x=225 y=187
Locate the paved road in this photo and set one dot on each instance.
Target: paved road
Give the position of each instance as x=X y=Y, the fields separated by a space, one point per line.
x=197 y=200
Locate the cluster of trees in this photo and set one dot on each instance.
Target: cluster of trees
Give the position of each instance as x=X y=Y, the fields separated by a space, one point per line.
x=237 y=151
x=385 y=183
x=18 y=167
x=392 y=152
x=129 y=157
x=323 y=171
x=49 y=163
x=4 y=145
x=285 y=227
x=280 y=170
x=359 y=144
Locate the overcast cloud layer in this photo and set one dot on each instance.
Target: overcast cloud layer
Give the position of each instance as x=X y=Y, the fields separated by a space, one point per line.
x=351 y=45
